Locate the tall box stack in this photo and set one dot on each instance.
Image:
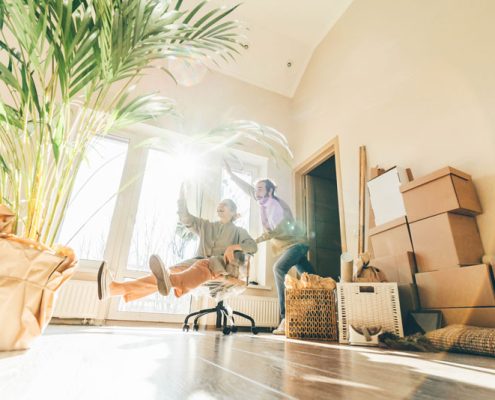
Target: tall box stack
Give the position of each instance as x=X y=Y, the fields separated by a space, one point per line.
x=441 y=209
x=390 y=239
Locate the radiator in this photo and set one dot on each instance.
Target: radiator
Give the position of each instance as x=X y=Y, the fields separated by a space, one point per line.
x=77 y=299
x=264 y=310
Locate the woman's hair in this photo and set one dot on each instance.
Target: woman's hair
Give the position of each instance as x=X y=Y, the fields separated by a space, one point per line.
x=269 y=185
x=231 y=204
x=233 y=207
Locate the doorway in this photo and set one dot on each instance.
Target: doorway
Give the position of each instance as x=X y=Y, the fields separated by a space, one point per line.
x=319 y=206
x=323 y=222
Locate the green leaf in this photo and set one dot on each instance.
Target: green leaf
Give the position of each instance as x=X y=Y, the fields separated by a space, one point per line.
x=4 y=165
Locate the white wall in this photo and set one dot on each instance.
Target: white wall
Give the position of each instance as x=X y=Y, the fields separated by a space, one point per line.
x=414 y=81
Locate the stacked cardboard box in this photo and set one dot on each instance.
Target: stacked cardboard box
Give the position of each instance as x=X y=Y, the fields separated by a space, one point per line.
x=391 y=242
x=441 y=209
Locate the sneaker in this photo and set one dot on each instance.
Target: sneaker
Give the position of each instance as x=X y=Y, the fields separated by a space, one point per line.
x=104 y=278
x=161 y=274
x=281 y=328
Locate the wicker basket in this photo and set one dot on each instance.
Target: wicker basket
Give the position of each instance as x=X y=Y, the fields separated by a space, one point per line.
x=464 y=339
x=311 y=314
x=369 y=304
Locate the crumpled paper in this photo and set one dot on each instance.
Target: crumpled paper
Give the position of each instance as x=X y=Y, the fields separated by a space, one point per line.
x=309 y=281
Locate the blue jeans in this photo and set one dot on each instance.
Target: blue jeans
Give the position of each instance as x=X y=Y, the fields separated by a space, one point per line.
x=293 y=256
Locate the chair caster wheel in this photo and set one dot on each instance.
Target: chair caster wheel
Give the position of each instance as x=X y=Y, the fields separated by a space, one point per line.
x=254 y=330
x=185 y=328
x=226 y=330
x=195 y=328
x=233 y=329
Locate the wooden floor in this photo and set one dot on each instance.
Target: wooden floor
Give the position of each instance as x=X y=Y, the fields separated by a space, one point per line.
x=75 y=362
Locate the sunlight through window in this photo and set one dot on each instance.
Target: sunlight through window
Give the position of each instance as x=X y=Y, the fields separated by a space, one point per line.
x=87 y=222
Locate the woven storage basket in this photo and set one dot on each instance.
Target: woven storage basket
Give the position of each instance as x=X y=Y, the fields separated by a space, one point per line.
x=311 y=314
x=464 y=339
x=368 y=304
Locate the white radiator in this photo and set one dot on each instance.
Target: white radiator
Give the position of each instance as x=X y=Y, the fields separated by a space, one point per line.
x=77 y=299
x=264 y=310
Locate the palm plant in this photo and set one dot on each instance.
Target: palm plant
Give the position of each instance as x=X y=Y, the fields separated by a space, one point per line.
x=67 y=70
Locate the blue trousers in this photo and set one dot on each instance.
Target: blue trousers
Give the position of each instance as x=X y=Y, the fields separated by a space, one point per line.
x=293 y=256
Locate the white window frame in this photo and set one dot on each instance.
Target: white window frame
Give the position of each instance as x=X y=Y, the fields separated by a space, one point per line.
x=257 y=165
x=126 y=208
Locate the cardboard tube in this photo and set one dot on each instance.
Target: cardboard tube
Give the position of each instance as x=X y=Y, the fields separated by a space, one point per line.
x=346 y=267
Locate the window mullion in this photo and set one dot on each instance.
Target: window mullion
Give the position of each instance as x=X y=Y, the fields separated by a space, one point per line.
x=121 y=230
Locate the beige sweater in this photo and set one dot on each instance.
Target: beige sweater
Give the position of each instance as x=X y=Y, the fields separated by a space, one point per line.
x=215 y=237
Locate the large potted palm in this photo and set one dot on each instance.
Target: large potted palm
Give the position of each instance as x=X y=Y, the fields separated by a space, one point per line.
x=67 y=73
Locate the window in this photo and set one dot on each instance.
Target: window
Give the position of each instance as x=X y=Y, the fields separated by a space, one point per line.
x=155 y=232
x=247 y=209
x=156 y=221
x=230 y=190
x=124 y=208
x=91 y=206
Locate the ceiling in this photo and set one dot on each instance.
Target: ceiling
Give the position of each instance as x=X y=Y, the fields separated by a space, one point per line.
x=282 y=36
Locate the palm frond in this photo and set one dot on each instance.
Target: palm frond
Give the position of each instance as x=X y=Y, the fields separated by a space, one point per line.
x=66 y=66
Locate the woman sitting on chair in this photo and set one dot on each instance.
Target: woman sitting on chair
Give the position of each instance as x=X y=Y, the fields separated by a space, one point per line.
x=219 y=244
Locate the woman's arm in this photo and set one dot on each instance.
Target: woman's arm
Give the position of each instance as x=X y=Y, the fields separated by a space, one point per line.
x=246 y=244
x=187 y=219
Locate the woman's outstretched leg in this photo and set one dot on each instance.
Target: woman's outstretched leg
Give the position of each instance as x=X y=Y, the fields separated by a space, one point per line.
x=135 y=289
x=192 y=277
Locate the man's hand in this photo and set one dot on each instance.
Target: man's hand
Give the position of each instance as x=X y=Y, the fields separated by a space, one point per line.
x=228 y=256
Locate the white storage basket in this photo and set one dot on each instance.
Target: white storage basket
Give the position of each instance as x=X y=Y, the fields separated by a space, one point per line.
x=368 y=304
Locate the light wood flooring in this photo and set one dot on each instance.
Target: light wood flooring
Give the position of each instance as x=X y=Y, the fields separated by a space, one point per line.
x=80 y=362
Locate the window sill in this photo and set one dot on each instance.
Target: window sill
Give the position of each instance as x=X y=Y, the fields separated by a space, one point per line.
x=259 y=287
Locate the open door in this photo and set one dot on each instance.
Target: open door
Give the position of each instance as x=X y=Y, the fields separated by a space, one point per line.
x=321 y=206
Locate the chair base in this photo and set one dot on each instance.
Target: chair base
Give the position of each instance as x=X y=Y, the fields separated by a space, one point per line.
x=225 y=319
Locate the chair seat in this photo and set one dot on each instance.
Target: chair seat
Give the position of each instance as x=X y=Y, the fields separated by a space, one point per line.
x=222 y=289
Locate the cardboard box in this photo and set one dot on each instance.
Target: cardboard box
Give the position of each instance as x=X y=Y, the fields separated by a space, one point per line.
x=385 y=196
x=445 y=190
x=398 y=268
x=482 y=316
x=446 y=240
x=391 y=238
x=457 y=287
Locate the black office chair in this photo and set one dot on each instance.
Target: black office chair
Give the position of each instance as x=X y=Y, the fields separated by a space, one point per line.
x=222 y=289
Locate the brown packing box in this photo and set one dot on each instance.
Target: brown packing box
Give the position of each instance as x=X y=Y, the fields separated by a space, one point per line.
x=398 y=268
x=391 y=238
x=446 y=240
x=457 y=287
x=481 y=316
x=445 y=190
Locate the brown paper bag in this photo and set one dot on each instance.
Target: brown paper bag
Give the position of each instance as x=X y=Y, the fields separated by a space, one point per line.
x=370 y=274
x=6 y=219
x=366 y=272
x=30 y=275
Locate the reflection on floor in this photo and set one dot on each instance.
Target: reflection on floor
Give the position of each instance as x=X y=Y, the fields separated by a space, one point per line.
x=75 y=362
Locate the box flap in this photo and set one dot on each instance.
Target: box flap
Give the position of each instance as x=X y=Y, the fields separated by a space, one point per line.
x=385 y=196
x=433 y=176
x=389 y=225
